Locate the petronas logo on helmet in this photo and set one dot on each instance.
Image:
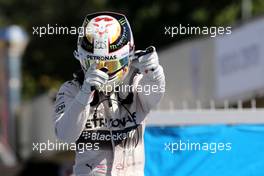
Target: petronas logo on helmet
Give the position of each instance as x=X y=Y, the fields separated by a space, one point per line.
x=101 y=57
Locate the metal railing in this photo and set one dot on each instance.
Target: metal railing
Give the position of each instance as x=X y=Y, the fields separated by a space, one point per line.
x=227 y=113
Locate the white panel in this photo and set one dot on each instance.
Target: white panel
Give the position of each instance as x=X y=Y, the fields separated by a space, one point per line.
x=239 y=61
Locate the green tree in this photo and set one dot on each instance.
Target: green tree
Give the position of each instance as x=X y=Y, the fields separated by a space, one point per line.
x=48 y=60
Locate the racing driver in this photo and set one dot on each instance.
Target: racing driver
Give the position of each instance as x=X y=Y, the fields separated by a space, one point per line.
x=105 y=106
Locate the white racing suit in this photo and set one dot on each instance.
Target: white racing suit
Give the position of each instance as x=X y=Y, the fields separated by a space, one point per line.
x=114 y=136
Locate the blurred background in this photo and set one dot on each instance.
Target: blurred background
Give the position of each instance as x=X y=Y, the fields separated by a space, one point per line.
x=214 y=90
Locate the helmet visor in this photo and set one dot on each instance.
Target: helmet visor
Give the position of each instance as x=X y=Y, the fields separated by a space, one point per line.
x=112 y=65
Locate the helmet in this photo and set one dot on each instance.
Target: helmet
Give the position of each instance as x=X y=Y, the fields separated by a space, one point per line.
x=107 y=40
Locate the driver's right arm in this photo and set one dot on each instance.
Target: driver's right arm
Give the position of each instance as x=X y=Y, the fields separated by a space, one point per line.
x=71 y=110
x=72 y=106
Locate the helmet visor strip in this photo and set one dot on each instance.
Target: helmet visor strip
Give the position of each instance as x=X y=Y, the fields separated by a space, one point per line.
x=112 y=65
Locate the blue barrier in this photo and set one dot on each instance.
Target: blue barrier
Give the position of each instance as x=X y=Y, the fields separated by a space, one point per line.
x=212 y=150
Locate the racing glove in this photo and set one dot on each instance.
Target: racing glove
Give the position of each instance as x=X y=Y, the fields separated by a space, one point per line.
x=148 y=63
x=94 y=78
